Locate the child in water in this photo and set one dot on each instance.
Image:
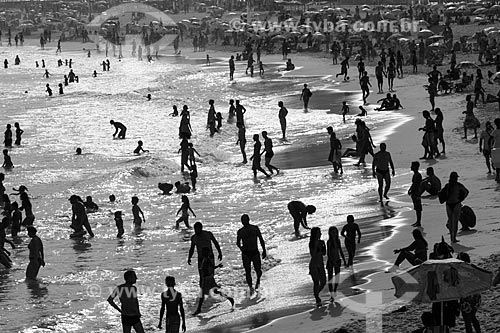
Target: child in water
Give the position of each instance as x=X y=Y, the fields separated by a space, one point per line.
x=194 y=176
x=7 y=161
x=139 y=148
x=16 y=219
x=185 y=208
x=48 y=90
x=219 y=118
x=136 y=210
x=61 y=92
x=19 y=133
x=119 y=223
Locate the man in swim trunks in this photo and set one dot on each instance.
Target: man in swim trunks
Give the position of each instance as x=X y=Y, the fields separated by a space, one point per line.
x=247 y=243
x=380 y=168
x=299 y=212
x=119 y=128
x=127 y=293
x=199 y=240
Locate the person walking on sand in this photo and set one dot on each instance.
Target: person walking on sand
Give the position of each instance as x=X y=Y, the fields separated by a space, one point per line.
x=419 y=255
x=380 y=169
x=415 y=193
x=470 y=304
x=208 y=284
x=127 y=293
x=242 y=141
x=335 y=156
x=36 y=254
x=317 y=249
x=231 y=68
x=120 y=129
x=299 y=212
x=484 y=144
x=428 y=140
x=334 y=253
x=349 y=232
x=305 y=96
x=269 y=153
x=246 y=241
x=137 y=213
x=470 y=119
x=365 y=84
x=256 y=157
x=439 y=134
x=184 y=150
x=282 y=117
x=185 y=209
x=202 y=239
x=432 y=90
x=453 y=194
x=171 y=300
x=379 y=74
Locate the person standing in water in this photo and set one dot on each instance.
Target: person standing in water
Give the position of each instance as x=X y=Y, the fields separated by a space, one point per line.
x=171 y=300
x=202 y=239
x=240 y=111
x=127 y=293
x=242 y=141
x=8 y=136
x=380 y=169
x=119 y=224
x=79 y=218
x=28 y=209
x=232 y=111
x=137 y=213
x=305 y=96
x=36 y=255
x=268 y=149
x=139 y=148
x=317 y=249
x=282 y=117
x=349 y=232
x=247 y=242
x=19 y=133
x=184 y=150
x=256 y=157
x=365 y=84
x=335 y=156
x=211 y=119
x=334 y=253
x=185 y=209
x=120 y=129
x=48 y=90
x=299 y=212
x=7 y=161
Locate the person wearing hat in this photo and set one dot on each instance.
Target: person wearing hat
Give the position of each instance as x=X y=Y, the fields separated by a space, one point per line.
x=453 y=194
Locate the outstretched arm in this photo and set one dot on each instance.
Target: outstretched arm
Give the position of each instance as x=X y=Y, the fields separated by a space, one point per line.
x=192 y=211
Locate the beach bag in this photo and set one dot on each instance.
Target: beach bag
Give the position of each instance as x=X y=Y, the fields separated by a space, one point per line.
x=443 y=195
x=467 y=217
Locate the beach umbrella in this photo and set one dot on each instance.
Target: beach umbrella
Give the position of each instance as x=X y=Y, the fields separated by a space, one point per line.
x=467 y=65
x=422 y=23
x=424 y=33
x=450 y=9
x=442 y=280
x=434 y=38
x=495 y=77
x=318 y=35
x=486 y=30
x=395 y=36
x=278 y=38
x=495 y=9
x=480 y=11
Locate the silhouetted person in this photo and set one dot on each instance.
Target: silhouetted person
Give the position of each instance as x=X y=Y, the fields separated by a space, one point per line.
x=299 y=212
x=36 y=255
x=120 y=129
x=256 y=157
x=349 y=232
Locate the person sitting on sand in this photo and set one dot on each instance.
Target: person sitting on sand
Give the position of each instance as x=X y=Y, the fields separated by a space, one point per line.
x=165 y=188
x=363 y=112
x=182 y=188
x=351 y=152
x=397 y=102
x=120 y=129
x=289 y=65
x=431 y=184
x=387 y=103
x=444 y=86
x=419 y=255
x=299 y=212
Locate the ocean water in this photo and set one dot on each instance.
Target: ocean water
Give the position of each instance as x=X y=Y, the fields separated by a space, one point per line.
x=71 y=293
